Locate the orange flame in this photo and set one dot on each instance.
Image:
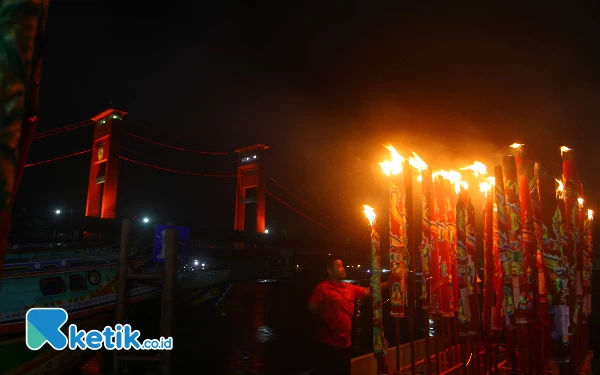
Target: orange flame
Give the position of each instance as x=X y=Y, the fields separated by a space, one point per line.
x=477 y=168
x=393 y=166
x=454 y=177
x=590 y=214
x=418 y=164
x=560 y=191
x=516 y=145
x=563 y=149
x=369 y=213
x=485 y=187
x=580 y=201
x=487 y=184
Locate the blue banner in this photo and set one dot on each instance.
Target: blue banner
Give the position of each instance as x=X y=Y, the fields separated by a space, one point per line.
x=183 y=234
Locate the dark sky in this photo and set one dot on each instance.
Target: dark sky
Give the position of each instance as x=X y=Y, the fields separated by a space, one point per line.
x=324 y=85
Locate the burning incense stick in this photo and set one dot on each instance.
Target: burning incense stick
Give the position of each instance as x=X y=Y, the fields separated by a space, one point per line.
x=555 y=263
x=520 y=286
x=473 y=287
x=442 y=291
x=426 y=240
x=464 y=311
x=399 y=253
x=488 y=255
x=380 y=345
x=508 y=305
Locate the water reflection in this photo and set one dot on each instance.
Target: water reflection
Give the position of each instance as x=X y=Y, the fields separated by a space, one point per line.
x=265 y=334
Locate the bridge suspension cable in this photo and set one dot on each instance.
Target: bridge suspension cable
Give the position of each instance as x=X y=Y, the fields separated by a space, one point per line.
x=176 y=147
x=62 y=129
x=176 y=170
x=58 y=158
x=296 y=210
x=310 y=205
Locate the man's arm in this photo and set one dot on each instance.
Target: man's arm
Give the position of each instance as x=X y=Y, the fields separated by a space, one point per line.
x=367 y=290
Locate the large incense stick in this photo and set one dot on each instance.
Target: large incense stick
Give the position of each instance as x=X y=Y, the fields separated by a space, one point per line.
x=443 y=292
x=399 y=256
x=473 y=287
x=541 y=245
x=380 y=345
x=411 y=262
x=426 y=240
x=464 y=310
x=571 y=182
x=503 y=250
x=555 y=265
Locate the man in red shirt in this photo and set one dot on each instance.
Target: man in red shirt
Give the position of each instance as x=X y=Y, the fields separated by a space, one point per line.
x=333 y=300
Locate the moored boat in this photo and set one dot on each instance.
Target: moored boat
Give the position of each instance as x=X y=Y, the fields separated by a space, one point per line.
x=83 y=282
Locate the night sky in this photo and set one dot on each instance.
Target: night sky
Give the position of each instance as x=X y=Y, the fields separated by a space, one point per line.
x=324 y=85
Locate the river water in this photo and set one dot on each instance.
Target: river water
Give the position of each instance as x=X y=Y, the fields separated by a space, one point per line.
x=260 y=328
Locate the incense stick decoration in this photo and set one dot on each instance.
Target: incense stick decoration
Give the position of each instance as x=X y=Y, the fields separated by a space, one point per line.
x=571 y=218
x=544 y=245
x=526 y=183
x=464 y=311
x=537 y=253
x=508 y=306
x=587 y=263
x=399 y=252
x=447 y=185
x=426 y=246
x=473 y=286
x=380 y=345
x=523 y=305
x=488 y=255
x=443 y=291
x=555 y=264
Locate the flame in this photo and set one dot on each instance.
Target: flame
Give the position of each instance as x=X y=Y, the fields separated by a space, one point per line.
x=369 y=213
x=477 y=168
x=564 y=149
x=485 y=187
x=418 y=164
x=590 y=215
x=516 y=145
x=393 y=166
x=580 y=201
x=560 y=189
x=453 y=176
x=495 y=207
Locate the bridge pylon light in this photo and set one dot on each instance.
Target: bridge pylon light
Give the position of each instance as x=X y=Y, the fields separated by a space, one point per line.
x=104 y=166
x=250 y=174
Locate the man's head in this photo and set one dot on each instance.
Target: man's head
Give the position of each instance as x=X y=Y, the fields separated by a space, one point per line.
x=335 y=269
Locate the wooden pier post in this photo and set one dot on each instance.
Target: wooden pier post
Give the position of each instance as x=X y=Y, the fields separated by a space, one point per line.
x=168 y=294
x=122 y=286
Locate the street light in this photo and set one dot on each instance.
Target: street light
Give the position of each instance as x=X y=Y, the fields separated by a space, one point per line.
x=266 y=231
x=146 y=220
x=56 y=212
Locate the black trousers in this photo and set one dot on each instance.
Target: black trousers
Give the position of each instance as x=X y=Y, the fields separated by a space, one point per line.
x=331 y=360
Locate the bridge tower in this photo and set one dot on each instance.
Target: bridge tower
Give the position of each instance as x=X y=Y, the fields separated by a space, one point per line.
x=250 y=174
x=104 y=166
